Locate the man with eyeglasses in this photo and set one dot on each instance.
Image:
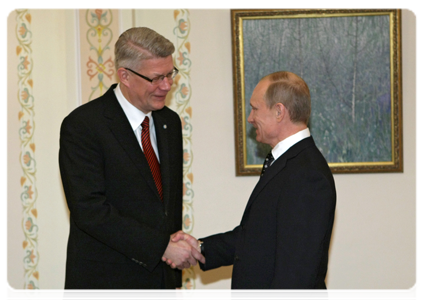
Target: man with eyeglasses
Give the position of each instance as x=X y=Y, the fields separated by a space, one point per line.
x=121 y=167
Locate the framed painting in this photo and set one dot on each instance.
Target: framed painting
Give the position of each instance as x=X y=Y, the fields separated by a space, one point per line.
x=351 y=61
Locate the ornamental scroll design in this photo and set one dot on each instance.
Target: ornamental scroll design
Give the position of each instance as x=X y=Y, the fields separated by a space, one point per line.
x=99 y=36
x=27 y=160
x=183 y=108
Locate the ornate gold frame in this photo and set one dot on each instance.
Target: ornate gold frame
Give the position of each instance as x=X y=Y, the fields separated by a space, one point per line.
x=238 y=15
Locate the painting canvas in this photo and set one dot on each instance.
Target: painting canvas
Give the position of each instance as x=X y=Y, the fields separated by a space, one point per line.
x=350 y=61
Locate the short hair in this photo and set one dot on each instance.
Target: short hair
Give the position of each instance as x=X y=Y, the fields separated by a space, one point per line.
x=292 y=91
x=138 y=44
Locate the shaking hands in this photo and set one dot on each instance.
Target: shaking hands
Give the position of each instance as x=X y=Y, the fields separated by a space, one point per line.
x=182 y=251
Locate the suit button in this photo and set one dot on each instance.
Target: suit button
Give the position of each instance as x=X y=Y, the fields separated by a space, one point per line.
x=166 y=213
x=236 y=257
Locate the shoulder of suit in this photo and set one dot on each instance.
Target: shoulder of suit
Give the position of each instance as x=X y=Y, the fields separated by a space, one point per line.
x=93 y=107
x=167 y=113
x=166 y=110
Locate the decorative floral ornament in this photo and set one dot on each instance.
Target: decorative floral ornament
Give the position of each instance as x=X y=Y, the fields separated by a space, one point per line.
x=27 y=155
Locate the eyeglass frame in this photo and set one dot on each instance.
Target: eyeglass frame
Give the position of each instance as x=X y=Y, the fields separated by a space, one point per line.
x=158 y=77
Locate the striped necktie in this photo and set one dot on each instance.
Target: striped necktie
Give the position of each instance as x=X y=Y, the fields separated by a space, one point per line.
x=151 y=156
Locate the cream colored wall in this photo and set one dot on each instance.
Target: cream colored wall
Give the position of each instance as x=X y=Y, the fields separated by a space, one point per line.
x=373 y=244
x=220 y=196
x=55 y=92
x=15 y=234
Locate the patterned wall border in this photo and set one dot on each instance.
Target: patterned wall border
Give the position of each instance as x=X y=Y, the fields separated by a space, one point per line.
x=182 y=98
x=27 y=155
x=97 y=41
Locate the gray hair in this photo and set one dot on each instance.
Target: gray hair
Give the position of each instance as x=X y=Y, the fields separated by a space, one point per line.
x=138 y=44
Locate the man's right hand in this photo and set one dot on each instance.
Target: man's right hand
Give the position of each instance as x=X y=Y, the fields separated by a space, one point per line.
x=182 y=251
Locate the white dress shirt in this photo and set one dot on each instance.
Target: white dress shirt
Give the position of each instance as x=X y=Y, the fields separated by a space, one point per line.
x=135 y=118
x=290 y=141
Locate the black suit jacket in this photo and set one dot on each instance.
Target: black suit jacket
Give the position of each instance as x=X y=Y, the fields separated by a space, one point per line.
x=283 y=239
x=119 y=227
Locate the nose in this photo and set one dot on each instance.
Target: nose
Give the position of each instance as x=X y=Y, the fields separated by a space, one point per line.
x=166 y=84
x=250 y=117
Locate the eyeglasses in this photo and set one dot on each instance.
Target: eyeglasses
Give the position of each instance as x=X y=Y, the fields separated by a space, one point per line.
x=159 y=79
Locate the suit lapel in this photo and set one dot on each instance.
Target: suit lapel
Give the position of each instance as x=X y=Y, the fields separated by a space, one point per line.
x=163 y=147
x=118 y=124
x=277 y=167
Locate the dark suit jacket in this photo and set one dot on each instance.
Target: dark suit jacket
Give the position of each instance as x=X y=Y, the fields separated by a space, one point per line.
x=283 y=239
x=119 y=228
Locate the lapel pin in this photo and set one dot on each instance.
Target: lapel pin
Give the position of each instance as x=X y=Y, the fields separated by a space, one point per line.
x=164 y=126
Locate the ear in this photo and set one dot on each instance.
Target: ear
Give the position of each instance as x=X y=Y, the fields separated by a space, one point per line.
x=280 y=111
x=123 y=75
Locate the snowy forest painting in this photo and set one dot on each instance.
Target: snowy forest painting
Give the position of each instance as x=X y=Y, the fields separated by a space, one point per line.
x=347 y=62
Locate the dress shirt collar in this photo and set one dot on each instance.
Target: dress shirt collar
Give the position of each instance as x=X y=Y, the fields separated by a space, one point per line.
x=134 y=115
x=290 y=141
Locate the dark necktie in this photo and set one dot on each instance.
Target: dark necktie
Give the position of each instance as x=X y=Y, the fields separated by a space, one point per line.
x=151 y=156
x=267 y=162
